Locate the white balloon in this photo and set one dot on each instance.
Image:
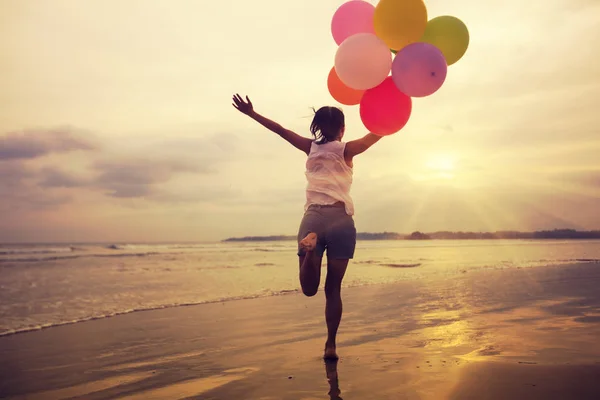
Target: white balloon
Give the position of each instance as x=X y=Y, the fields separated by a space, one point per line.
x=363 y=61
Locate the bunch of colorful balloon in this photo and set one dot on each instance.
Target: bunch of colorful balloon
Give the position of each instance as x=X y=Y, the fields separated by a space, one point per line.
x=389 y=54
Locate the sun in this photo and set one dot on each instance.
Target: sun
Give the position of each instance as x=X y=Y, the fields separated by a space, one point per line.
x=442 y=166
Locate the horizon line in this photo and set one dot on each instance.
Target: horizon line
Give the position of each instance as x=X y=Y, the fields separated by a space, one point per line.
x=140 y=242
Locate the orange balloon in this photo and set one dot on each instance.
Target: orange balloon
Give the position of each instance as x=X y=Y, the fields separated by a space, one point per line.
x=342 y=93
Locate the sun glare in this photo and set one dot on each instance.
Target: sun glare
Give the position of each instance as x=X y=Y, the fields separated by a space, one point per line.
x=443 y=163
x=442 y=166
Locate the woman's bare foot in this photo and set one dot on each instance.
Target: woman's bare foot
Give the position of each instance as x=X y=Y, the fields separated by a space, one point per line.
x=309 y=243
x=330 y=353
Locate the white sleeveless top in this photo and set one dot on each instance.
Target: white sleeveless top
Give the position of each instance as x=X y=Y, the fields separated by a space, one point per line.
x=329 y=177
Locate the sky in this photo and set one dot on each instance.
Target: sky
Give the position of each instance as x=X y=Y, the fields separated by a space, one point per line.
x=116 y=121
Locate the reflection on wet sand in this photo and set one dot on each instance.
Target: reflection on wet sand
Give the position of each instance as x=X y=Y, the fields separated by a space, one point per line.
x=332 y=379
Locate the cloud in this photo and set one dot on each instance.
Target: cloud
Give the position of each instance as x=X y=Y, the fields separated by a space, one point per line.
x=121 y=191
x=19 y=192
x=206 y=150
x=26 y=184
x=139 y=177
x=590 y=178
x=207 y=194
x=13 y=173
x=152 y=170
x=148 y=171
x=52 y=177
x=40 y=200
x=32 y=144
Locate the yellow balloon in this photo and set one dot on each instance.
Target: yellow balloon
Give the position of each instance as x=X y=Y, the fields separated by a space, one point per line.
x=400 y=22
x=450 y=35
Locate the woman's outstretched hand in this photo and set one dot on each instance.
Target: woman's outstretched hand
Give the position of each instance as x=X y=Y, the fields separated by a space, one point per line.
x=242 y=106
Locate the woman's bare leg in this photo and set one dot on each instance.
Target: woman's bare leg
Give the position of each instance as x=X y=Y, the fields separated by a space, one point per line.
x=336 y=268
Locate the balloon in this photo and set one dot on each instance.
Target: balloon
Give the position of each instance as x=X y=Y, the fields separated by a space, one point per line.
x=400 y=22
x=342 y=93
x=385 y=110
x=450 y=35
x=363 y=61
x=419 y=69
x=353 y=17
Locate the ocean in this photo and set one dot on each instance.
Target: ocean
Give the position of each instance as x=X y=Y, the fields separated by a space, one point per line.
x=44 y=285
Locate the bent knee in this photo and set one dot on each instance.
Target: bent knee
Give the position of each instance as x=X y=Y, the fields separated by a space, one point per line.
x=310 y=292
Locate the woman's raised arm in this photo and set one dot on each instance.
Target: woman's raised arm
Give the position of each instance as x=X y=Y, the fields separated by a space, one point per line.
x=301 y=143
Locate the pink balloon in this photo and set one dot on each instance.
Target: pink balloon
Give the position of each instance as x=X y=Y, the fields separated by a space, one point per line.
x=363 y=61
x=385 y=110
x=419 y=69
x=352 y=17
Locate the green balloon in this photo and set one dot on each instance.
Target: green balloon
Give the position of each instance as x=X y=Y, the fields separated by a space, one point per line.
x=450 y=35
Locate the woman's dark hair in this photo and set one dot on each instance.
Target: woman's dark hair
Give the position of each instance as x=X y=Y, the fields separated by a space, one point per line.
x=327 y=124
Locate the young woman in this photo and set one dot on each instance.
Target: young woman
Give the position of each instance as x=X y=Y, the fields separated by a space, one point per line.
x=327 y=224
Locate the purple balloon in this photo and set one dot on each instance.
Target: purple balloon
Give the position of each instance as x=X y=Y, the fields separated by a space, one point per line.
x=419 y=69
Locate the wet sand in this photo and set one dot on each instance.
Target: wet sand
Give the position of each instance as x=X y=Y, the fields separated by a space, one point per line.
x=500 y=334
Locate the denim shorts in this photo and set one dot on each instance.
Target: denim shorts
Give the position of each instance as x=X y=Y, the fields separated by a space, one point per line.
x=335 y=230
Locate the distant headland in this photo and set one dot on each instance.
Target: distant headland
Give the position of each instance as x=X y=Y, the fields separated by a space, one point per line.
x=445 y=235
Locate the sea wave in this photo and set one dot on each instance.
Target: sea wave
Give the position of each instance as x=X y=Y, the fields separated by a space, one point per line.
x=150 y=308
x=135 y=246
x=263 y=294
x=121 y=251
x=402 y=265
x=35 y=250
x=167 y=246
x=70 y=257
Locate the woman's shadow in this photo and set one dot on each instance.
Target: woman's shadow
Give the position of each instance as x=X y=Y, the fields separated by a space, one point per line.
x=332 y=378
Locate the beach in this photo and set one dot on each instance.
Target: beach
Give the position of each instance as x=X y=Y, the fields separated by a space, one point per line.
x=166 y=166
x=518 y=333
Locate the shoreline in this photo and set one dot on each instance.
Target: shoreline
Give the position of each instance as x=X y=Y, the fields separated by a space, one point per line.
x=257 y=296
x=149 y=309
